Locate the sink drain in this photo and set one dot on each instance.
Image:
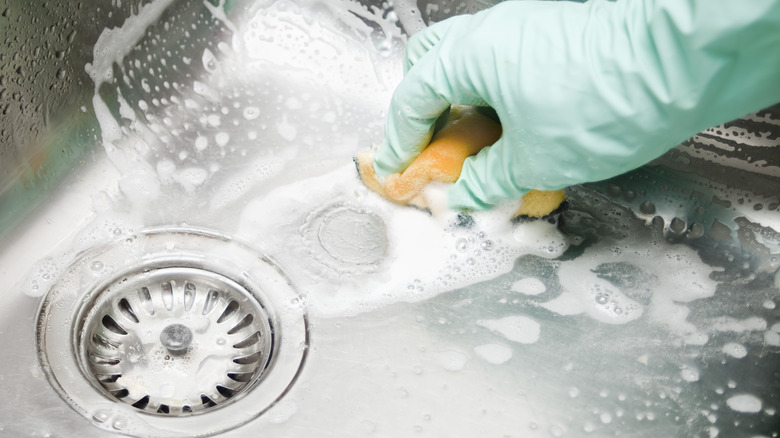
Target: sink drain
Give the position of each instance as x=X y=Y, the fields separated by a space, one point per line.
x=175 y=341
x=345 y=238
x=165 y=327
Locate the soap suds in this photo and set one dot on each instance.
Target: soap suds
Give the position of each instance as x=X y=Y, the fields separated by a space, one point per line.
x=188 y=143
x=495 y=354
x=617 y=282
x=425 y=255
x=529 y=286
x=586 y=293
x=517 y=328
x=697 y=338
x=729 y=324
x=772 y=336
x=745 y=403
x=451 y=360
x=690 y=374
x=735 y=350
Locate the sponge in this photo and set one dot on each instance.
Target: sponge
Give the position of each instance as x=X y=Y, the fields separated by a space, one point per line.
x=464 y=131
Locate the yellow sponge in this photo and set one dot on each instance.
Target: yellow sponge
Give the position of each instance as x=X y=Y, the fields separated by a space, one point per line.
x=464 y=133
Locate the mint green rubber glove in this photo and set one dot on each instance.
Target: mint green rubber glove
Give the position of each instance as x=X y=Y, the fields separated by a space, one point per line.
x=584 y=91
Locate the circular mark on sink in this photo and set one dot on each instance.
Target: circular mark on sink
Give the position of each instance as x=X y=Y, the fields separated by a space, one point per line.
x=187 y=322
x=353 y=236
x=345 y=238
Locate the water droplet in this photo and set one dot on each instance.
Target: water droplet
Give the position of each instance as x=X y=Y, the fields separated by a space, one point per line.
x=251 y=112
x=209 y=61
x=487 y=245
x=647 y=207
x=97 y=265
x=201 y=143
x=101 y=416
x=557 y=431
x=119 y=424
x=602 y=298
x=461 y=244
x=222 y=138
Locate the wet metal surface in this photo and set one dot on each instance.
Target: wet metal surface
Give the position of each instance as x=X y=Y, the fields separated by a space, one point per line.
x=651 y=310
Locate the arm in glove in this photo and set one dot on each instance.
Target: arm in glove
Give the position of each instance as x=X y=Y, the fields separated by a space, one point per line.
x=584 y=92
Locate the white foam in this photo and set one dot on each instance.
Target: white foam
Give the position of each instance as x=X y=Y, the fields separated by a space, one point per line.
x=772 y=338
x=451 y=360
x=690 y=374
x=201 y=143
x=205 y=90
x=660 y=298
x=517 y=328
x=735 y=350
x=409 y=15
x=286 y=129
x=745 y=403
x=697 y=338
x=495 y=354
x=313 y=33
x=539 y=238
x=191 y=177
x=114 y=44
x=209 y=61
x=597 y=298
x=425 y=256
x=729 y=324
x=218 y=12
x=529 y=286
x=222 y=138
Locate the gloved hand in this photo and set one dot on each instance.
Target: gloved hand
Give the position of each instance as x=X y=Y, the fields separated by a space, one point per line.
x=584 y=92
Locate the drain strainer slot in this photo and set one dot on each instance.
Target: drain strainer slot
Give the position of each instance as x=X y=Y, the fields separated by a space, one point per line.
x=150 y=335
x=175 y=341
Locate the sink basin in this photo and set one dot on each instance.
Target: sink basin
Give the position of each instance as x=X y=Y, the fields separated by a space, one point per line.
x=187 y=148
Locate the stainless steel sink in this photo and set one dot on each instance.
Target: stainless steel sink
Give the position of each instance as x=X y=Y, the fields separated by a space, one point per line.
x=169 y=168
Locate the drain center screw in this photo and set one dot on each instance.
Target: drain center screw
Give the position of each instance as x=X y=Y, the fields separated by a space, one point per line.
x=176 y=338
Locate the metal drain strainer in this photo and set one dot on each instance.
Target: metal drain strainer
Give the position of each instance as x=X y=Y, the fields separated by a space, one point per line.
x=176 y=341
x=149 y=335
